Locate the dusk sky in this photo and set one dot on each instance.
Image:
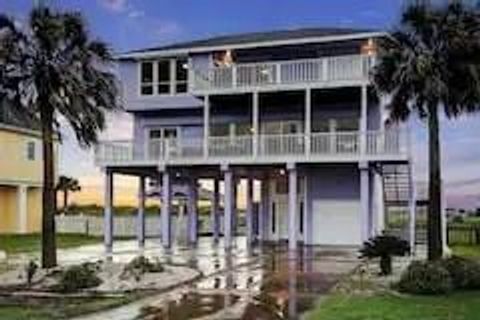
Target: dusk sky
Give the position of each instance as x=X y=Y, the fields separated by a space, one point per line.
x=133 y=24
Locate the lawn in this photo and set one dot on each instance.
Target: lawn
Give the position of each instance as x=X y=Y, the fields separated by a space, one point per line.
x=458 y=306
x=12 y=244
x=53 y=309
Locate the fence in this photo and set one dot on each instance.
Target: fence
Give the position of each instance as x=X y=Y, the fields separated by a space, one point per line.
x=125 y=226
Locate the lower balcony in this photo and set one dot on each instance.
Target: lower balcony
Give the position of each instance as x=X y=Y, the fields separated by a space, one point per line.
x=250 y=149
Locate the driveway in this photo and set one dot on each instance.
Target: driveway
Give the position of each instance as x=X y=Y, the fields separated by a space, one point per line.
x=263 y=283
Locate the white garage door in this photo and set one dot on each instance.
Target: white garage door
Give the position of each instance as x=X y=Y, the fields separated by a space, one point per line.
x=336 y=222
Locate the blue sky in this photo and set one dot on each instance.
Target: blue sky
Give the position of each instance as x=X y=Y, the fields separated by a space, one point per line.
x=132 y=24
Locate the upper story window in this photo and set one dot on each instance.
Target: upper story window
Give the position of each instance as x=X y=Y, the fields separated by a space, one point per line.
x=146 y=78
x=163 y=77
x=31 y=150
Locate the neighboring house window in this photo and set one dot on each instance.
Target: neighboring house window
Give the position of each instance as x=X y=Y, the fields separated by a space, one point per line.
x=181 y=76
x=31 y=150
x=146 y=75
x=163 y=77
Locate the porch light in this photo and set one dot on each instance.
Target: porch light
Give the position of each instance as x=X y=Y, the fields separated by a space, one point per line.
x=185 y=66
x=282 y=172
x=369 y=48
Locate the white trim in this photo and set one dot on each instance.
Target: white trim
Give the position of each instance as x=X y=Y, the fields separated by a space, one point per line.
x=178 y=52
x=22 y=208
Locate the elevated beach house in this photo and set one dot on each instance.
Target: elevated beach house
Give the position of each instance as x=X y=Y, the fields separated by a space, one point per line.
x=292 y=113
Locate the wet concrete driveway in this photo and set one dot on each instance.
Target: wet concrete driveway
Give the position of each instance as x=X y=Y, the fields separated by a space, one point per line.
x=264 y=283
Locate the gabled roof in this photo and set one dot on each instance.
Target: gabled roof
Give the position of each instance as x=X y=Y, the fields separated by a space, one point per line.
x=255 y=39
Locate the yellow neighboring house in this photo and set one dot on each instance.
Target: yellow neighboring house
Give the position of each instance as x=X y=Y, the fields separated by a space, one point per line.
x=20 y=179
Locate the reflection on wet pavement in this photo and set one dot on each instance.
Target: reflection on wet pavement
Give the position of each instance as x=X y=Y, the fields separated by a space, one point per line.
x=264 y=283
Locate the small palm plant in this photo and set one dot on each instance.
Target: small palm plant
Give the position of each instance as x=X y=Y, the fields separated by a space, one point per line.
x=384 y=247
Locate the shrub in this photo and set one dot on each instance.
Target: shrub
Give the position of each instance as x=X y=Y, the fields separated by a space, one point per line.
x=385 y=246
x=465 y=273
x=79 y=277
x=141 y=265
x=30 y=269
x=425 y=277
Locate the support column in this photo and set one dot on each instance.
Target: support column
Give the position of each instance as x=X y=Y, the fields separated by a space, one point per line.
x=192 y=212
x=363 y=120
x=206 y=124
x=255 y=123
x=412 y=206
x=292 y=206
x=214 y=214
x=22 y=213
x=249 y=210
x=263 y=211
x=108 y=211
x=166 y=210
x=228 y=210
x=141 y=213
x=308 y=212
x=379 y=222
x=364 y=201
x=308 y=120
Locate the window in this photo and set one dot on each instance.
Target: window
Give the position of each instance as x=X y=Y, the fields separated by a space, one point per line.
x=274 y=218
x=146 y=71
x=31 y=150
x=181 y=76
x=164 y=77
x=301 y=218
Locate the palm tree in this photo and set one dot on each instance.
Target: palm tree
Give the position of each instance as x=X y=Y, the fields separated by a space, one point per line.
x=53 y=70
x=66 y=184
x=430 y=65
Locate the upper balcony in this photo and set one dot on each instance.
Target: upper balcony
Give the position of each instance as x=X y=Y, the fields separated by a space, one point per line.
x=390 y=145
x=326 y=72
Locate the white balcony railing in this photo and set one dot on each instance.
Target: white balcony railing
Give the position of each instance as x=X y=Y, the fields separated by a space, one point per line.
x=291 y=147
x=254 y=75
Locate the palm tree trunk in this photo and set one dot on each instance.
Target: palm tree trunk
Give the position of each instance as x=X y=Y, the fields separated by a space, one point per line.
x=65 y=201
x=435 y=246
x=49 y=254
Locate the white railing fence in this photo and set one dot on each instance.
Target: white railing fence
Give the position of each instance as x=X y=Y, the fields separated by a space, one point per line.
x=123 y=226
x=377 y=143
x=337 y=68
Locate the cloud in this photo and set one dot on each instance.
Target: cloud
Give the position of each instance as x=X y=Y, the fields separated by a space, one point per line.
x=166 y=29
x=134 y=14
x=115 y=5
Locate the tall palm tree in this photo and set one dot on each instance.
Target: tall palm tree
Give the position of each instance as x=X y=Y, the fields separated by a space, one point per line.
x=67 y=184
x=52 y=69
x=430 y=65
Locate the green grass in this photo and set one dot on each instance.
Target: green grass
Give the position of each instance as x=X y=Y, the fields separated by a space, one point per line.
x=458 y=306
x=56 y=309
x=472 y=252
x=31 y=242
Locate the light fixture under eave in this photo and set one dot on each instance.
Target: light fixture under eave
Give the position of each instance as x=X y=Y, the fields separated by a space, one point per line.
x=185 y=66
x=369 y=48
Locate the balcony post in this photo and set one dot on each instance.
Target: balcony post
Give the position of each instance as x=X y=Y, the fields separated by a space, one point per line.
x=249 y=210
x=255 y=124
x=214 y=210
x=292 y=207
x=363 y=120
x=166 y=209
x=364 y=201
x=141 y=212
x=234 y=76
x=108 y=211
x=308 y=121
x=228 y=207
x=192 y=211
x=206 y=125
x=264 y=208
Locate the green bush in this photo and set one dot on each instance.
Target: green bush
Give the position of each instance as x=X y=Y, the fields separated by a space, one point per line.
x=425 y=277
x=384 y=247
x=141 y=265
x=79 y=277
x=465 y=273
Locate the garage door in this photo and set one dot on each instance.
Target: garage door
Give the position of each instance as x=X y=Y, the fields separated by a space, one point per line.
x=336 y=222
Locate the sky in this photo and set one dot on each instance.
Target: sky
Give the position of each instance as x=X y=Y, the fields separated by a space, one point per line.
x=134 y=24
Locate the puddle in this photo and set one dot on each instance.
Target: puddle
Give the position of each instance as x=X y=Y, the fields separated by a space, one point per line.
x=189 y=306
